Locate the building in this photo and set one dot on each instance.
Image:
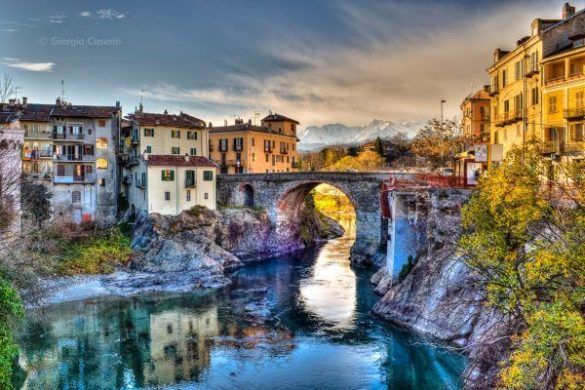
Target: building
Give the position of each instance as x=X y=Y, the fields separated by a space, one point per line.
x=165 y=164
x=72 y=150
x=521 y=111
x=475 y=122
x=246 y=148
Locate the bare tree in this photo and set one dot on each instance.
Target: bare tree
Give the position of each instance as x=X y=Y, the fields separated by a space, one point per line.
x=7 y=87
x=10 y=176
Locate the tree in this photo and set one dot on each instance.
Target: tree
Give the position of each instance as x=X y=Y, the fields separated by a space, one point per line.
x=7 y=88
x=528 y=251
x=11 y=311
x=10 y=173
x=366 y=161
x=36 y=202
x=439 y=142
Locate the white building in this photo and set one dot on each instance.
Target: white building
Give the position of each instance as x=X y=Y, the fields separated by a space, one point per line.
x=166 y=164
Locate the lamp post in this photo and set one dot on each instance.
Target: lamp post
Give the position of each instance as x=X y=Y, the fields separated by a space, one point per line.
x=443 y=101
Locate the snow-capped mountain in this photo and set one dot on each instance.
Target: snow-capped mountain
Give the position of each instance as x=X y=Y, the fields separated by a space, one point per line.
x=315 y=137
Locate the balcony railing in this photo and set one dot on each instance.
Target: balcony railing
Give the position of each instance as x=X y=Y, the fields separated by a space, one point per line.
x=87 y=178
x=576 y=76
x=532 y=72
x=550 y=147
x=284 y=151
x=555 y=80
x=36 y=154
x=47 y=134
x=235 y=163
x=508 y=117
x=74 y=157
x=574 y=147
x=574 y=113
x=67 y=136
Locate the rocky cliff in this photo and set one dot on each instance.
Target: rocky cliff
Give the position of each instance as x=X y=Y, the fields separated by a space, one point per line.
x=441 y=297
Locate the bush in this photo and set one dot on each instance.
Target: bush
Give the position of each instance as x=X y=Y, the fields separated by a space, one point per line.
x=11 y=310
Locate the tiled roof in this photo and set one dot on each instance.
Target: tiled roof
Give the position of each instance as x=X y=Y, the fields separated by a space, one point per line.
x=67 y=110
x=245 y=127
x=6 y=116
x=36 y=112
x=158 y=160
x=182 y=120
x=278 y=117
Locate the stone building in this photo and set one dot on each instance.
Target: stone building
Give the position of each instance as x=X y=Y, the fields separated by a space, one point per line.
x=72 y=150
x=164 y=163
x=245 y=148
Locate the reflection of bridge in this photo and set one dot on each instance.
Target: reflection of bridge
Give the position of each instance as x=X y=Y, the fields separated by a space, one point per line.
x=378 y=198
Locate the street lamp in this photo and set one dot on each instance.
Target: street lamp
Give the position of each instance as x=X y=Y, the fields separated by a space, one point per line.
x=443 y=101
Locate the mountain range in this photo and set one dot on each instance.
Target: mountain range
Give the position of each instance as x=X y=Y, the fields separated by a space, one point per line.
x=316 y=137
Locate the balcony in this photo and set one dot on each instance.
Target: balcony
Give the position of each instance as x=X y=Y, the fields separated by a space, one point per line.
x=283 y=151
x=574 y=113
x=67 y=137
x=128 y=160
x=88 y=178
x=74 y=157
x=555 y=80
x=43 y=134
x=572 y=148
x=190 y=184
x=532 y=72
x=235 y=163
x=550 y=147
x=508 y=117
x=28 y=155
x=576 y=76
x=494 y=90
x=295 y=165
x=267 y=149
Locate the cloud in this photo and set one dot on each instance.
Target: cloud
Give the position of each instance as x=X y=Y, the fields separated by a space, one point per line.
x=110 y=14
x=9 y=30
x=30 y=66
x=57 y=18
x=85 y=14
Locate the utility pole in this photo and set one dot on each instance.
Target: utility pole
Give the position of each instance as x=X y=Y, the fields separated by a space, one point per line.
x=443 y=101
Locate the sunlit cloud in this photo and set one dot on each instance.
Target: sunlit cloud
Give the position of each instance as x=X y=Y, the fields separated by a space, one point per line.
x=110 y=14
x=57 y=18
x=85 y=14
x=30 y=66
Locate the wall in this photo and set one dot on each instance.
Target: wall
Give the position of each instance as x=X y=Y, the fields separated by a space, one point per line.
x=162 y=142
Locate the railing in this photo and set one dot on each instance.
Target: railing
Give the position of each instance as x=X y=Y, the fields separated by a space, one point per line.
x=236 y=162
x=494 y=90
x=574 y=113
x=87 y=178
x=549 y=147
x=47 y=134
x=424 y=180
x=283 y=151
x=532 y=72
x=555 y=80
x=36 y=154
x=508 y=118
x=65 y=136
x=576 y=76
x=573 y=147
x=74 y=157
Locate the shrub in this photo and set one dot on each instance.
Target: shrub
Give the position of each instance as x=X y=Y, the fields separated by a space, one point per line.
x=11 y=310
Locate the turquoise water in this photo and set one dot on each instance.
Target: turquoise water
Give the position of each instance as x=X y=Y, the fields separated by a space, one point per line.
x=295 y=322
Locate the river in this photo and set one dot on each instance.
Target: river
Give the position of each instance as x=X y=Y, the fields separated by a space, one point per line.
x=295 y=322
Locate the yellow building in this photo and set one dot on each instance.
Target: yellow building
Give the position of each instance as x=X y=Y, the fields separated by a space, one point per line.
x=245 y=148
x=564 y=101
x=521 y=110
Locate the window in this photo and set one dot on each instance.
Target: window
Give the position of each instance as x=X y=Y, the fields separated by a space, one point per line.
x=577 y=132
x=101 y=163
x=506 y=106
x=102 y=182
x=504 y=78
x=223 y=145
x=534 y=61
x=149 y=132
x=88 y=150
x=148 y=149
x=253 y=156
x=175 y=150
x=238 y=144
x=101 y=143
x=190 y=178
x=267 y=158
x=552 y=104
x=579 y=99
x=518 y=70
x=143 y=179
x=253 y=141
x=192 y=135
x=518 y=102
x=193 y=151
x=167 y=198
x=208 y=175
x=175 y=133
x=167 y=175
x=267 y=147
x=76 y=197
x=206 y=195
x=535 y=96
x=188 y=196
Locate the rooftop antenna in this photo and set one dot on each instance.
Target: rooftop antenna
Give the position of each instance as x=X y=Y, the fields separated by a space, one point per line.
x=62 y=90
x=141 y=95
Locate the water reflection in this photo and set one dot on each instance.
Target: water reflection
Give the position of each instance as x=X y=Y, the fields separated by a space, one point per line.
x=296 y=322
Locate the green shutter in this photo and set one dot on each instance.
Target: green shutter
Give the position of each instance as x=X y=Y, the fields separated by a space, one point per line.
x=162 y=175
x=172 y=175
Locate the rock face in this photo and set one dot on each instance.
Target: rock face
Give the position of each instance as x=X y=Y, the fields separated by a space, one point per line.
x=440 y=297
x=211 y=243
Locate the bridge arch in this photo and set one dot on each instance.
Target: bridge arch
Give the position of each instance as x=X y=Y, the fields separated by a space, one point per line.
x=282 y=195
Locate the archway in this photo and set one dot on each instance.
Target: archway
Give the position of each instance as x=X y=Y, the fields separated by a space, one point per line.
x=248 y=196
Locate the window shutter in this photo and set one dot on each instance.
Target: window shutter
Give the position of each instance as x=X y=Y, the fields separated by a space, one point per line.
x=172 y=175
x=162 y=175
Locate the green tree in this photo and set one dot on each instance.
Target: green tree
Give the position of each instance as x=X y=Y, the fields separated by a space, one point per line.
x=529 y=254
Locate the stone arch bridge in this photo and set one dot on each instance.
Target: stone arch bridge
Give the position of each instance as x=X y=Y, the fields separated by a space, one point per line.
x=282 y=195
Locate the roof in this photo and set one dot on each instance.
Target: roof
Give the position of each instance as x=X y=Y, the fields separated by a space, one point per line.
x=480 y=94
x=170 y=120
x=278 y=118
x=245 y=127
x=562 y=51
x=35 y=112
x=159 y=160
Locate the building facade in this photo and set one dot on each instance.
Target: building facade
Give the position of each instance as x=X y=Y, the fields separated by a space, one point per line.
x=72 y=150
x=246 y=148
x=164 y=163
x=535 y=87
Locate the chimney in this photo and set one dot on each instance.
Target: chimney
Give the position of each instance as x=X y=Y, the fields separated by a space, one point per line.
x=117 y=103
x=225 y=122
x=166 y=112
x=568 y=11
x=11 y=102
x=58 y=101
x=24 y=101
x=140 y=107
x=210 y=125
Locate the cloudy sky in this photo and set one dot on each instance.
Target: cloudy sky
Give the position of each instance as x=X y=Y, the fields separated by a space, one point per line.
x=320 y=61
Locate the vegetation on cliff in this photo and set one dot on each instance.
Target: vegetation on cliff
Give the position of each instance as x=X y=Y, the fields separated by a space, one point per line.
x=526 y=241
